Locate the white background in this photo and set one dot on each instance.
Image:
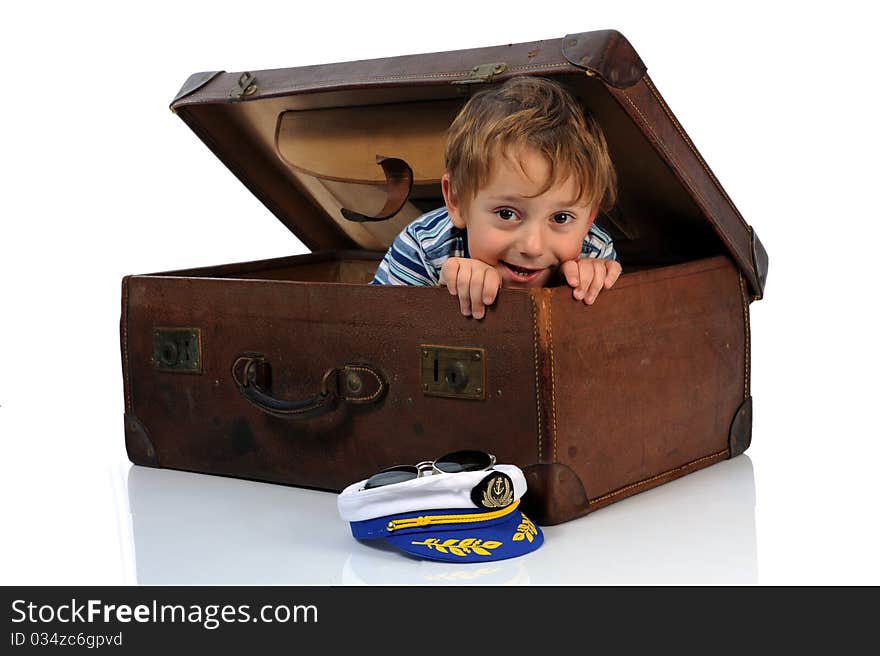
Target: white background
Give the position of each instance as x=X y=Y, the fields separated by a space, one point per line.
x=99 y=180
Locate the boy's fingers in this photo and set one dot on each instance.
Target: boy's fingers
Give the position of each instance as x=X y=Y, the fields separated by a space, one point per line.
x=477 y=308
x=596 y=283
x=463 y=289
x=449 y=275
x=491 y=285
x=614 y=269
x=585 y=272
x=569 y=271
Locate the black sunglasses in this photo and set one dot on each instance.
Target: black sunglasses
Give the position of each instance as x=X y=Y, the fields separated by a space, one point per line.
x=451 y=463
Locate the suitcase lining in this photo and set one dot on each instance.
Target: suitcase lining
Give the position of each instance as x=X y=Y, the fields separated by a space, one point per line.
x=655 y=222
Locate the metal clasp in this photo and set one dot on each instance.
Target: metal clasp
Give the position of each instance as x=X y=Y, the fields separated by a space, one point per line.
x=453 y=371
x=246 y=86
x=177 y=350
x=483 y=73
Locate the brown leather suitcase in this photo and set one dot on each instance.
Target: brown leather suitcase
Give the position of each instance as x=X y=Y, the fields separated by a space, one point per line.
x=295 y=371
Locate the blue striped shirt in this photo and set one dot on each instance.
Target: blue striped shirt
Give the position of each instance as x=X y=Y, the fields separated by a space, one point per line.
x=419 y=252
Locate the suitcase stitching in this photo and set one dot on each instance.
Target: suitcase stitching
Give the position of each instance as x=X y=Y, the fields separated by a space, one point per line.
x=748 y=335
x=537 y=377
x=375 y=394
x=125 y=376
x=661 y=475
x=552 y=370
x=552 y=380
x=687 y=140
x=419 y=76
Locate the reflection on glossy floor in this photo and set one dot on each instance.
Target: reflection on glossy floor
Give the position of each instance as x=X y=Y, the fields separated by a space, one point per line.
x=199 y=529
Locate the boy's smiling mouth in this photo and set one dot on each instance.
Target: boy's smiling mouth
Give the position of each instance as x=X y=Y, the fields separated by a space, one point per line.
x=521 y=274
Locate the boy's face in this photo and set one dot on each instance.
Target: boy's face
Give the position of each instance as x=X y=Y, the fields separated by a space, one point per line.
x=525 y=239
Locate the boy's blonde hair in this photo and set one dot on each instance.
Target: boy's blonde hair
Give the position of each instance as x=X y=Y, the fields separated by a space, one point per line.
x=533 y=112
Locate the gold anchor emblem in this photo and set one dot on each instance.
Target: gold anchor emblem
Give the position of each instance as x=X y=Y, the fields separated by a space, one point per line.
x=498 y=493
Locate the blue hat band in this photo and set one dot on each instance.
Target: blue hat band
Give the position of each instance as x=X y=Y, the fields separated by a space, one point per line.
x=514 y=535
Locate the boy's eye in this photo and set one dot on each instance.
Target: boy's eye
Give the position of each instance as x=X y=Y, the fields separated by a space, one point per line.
x=506 y=214
x=562 y=218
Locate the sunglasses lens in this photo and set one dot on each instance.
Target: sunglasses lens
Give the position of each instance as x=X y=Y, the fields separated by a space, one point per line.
x=391 y=476
x=463 y=461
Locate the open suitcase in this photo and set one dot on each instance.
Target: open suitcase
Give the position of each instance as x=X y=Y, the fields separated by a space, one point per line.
x=295 y=371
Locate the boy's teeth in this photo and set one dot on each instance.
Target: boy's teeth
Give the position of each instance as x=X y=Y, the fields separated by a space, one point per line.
x=520 y=271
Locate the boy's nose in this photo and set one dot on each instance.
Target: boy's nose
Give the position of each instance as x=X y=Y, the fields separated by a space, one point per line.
x=531 y=243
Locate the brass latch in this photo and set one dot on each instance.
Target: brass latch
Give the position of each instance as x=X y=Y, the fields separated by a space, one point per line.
x=483 y=73
x=178 y=350
x=246 y=86
x=453 y=371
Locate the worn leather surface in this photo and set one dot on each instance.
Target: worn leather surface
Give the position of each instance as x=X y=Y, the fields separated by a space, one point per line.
x=202 y=422
x=195 y=82
x=596 y=403
x=741 y=429
x=605 y=53
x=450 y=66
x=555 y=494
x=762 y=263
x=645 y=381
x=138 y=444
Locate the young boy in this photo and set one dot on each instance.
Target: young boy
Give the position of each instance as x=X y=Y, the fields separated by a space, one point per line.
x=526 y=174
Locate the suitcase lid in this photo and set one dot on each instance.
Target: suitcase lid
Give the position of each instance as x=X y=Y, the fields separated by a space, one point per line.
x=309 y=142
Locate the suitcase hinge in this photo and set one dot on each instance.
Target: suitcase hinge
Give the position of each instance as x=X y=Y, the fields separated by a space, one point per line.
x=246 y=86
x=483 y=73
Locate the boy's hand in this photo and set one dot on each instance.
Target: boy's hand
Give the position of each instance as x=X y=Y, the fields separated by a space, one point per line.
x=474 y=282
x=589 y=276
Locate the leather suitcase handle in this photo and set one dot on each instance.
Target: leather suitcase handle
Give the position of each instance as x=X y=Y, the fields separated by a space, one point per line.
x=350 y=383
x=399 y=179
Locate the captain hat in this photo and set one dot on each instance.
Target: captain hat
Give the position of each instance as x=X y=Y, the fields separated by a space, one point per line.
x=470 y=516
